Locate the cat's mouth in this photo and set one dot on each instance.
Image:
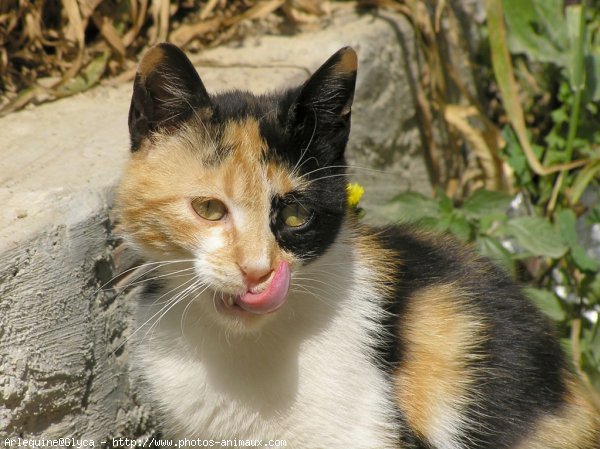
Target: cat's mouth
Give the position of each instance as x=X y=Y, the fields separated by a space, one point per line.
x=267 y=300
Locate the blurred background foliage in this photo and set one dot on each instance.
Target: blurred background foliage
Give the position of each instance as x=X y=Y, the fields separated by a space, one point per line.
x=519 y=171
x=513 y=157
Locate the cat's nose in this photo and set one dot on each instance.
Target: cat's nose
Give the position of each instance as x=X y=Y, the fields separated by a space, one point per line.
x=255 y=274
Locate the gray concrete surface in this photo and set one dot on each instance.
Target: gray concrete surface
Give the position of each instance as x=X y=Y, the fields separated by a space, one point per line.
x=62 y=372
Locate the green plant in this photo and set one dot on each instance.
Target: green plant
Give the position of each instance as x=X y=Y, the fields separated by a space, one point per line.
x=545 y=59
x=559 y=46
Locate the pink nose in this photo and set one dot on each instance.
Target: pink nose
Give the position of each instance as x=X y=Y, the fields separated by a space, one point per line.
x=255 y=275
x=272 y=296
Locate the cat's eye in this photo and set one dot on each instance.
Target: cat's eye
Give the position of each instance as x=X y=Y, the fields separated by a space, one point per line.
x=295 y=215
x=209 y=209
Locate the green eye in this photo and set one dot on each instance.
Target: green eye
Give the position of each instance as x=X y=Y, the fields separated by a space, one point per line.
x=295 y=215
x=209 y=209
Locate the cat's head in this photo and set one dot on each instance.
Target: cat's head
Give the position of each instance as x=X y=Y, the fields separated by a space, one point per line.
x=246 y=188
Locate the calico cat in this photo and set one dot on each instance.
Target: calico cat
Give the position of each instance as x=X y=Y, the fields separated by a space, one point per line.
x=273 y=314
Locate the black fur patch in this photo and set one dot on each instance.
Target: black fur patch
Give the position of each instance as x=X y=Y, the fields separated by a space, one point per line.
x=311 y=240
x=525 y=359
x=309 y=133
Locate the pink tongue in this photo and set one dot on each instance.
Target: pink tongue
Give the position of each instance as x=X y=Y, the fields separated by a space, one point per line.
x=272 y=297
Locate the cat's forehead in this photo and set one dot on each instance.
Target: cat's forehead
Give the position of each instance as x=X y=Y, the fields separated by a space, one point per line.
x=235 y=156
x=249 y=164
x=269 y=112
x=243 y=140
x=239 y=121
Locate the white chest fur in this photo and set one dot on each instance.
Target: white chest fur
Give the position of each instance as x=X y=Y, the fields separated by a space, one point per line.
x=307 y=378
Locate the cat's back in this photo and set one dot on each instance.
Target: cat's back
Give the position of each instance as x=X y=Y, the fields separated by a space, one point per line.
x=472 y=361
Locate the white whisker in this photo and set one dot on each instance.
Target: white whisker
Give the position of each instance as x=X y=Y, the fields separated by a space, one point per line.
x=352 y=167
x=151 y=318
x=304 y=151
x=185 y=310
x=171 y=275
x=155 y=265
x=170 y=304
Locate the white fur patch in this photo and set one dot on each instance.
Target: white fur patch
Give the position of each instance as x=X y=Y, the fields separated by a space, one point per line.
x=306 y=376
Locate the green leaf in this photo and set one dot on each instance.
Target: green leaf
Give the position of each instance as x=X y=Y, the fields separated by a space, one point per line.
x=575 y=25
x=594 y=343
x=567 y=347
x=592 y=70
x=548 y=302
x=583 y=261
x=444 y=201
x=566 y=224
x=593 y=215
x=460 y=227
x=536 y=235
x=488 y=222
x=437 y=224
x=492 y=248
x=535 y=29
x=87 y=78
x=583 y=179
x=515 y=156
x=591 y=289
x=551 y=18
x=485 y=202
x=590 y=341
x=410 y=206
x=559 y=116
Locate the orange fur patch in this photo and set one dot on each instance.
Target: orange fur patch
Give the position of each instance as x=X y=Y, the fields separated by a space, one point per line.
x=150 y=60
x=348 y=62
x=433 y=379
x=243 y=174
x=382 y=262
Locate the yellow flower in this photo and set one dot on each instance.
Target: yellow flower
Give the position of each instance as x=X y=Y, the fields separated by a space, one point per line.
x=355 y=192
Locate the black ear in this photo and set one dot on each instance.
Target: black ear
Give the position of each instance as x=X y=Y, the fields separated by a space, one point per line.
x=166 y=91
x=320 y=115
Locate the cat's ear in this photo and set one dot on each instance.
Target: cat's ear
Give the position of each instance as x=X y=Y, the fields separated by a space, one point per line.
x=166 y=91
x=322 y=108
